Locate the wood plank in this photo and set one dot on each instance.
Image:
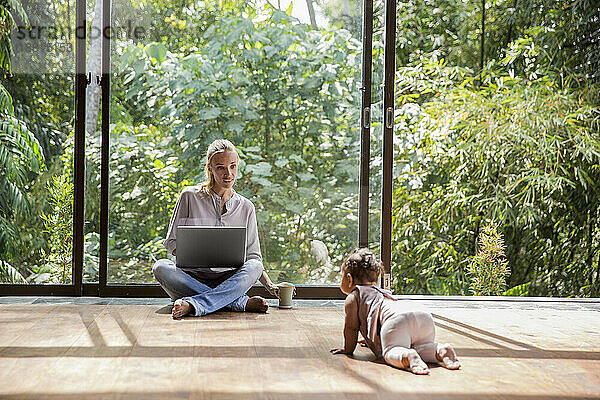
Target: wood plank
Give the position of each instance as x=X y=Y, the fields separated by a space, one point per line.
x=69 y=351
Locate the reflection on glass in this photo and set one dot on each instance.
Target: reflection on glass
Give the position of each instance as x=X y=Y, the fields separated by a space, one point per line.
x=281 y=82
x=376 y=161
x=91 y=229
x=36 y=142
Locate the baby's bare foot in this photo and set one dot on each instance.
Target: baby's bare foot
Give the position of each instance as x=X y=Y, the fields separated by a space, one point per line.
x=446 y=355
x=413 y=362
x=181 y=308
x=257 y=304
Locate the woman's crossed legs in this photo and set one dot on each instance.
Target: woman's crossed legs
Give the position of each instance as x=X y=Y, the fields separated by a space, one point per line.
x=196 y=298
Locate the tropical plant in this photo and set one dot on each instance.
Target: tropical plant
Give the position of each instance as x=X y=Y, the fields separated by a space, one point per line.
x=9 y=274
x=518 y=145
x=488 y=269
x=145 y=182
x=58 y=226
x=20 y=154
x=9 y=9
x=524 y=153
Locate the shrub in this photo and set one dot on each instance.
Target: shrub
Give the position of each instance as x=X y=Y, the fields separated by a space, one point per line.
x=58 y=225
x=488 y=269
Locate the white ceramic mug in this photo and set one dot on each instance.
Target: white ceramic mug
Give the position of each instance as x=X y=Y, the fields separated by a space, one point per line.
x=285 y=292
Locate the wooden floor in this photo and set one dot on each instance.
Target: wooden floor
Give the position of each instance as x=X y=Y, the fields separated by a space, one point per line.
x=509 y=350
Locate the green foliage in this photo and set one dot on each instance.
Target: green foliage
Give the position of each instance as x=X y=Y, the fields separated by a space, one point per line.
x=9 y=9
x=58 y=225
x=20 y=154
x=47 y=103
x=346 y=14
x=488 y=269
x=91 y=259
x=180 y=24
x=520 y=290
x=9 y=274
x=145 y=181
x=524 y=153
x=515 y=143
x=447 y=28
x=564 y=35
x=286 y=96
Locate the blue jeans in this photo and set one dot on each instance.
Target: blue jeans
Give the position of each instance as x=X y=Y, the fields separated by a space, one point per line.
x=231 y=293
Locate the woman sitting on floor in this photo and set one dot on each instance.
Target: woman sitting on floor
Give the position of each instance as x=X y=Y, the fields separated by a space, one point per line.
x=214 y=203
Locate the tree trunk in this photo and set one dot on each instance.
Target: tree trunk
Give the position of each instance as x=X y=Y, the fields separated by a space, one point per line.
x=94 y=65
x=311 y=13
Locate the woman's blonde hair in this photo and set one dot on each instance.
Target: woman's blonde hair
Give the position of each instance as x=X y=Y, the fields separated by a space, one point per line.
x=218 y=146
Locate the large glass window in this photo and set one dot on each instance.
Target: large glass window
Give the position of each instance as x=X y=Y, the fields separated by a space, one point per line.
x=496 y=149
x=495 y=140
x=282 y=82
x=36 y=141
x=377 y=126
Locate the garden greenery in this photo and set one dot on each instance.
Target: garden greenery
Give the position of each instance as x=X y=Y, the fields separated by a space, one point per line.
x=520 y=152
x=58 y=225
x=512 y=142
x=489 y=268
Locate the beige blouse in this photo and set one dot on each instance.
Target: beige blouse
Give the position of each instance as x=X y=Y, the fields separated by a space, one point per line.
x=197 y=207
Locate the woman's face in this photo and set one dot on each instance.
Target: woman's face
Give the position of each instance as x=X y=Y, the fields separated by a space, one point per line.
x=223 y=166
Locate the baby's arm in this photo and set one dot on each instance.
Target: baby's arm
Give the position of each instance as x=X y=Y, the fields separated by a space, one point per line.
x=350 y=325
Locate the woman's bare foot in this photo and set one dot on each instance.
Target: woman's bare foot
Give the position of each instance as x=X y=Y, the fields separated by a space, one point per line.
x=181 y=308
x=257 y=304
x=446 y=355
x=412 y=361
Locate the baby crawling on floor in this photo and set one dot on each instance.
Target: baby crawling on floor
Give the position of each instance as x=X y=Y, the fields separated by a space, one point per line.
x=390 y=327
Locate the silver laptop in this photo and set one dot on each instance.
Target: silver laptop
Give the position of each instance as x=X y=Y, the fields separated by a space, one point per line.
x=210 y=246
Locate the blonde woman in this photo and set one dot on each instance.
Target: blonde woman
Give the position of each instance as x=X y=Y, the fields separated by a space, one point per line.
x=214 y=203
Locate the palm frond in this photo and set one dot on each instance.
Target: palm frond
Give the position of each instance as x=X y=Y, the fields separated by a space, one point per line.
x=13 y=198
x=6 y=104
x=20 y=153
x=10 y=163
x=18 y=8
x=23 y=141
x=9 y=274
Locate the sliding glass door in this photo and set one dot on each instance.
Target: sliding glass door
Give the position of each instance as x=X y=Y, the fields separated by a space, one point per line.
x=283 y=83
x=115 y=116
x=37 y=135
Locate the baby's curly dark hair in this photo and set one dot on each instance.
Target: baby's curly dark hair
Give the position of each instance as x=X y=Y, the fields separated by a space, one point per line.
x=363 y=265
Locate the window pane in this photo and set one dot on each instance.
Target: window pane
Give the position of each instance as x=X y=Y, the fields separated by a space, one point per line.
x=376 y=162
x=36 y=143
x=496 y=162
x=284 y=92
x=93 y=118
